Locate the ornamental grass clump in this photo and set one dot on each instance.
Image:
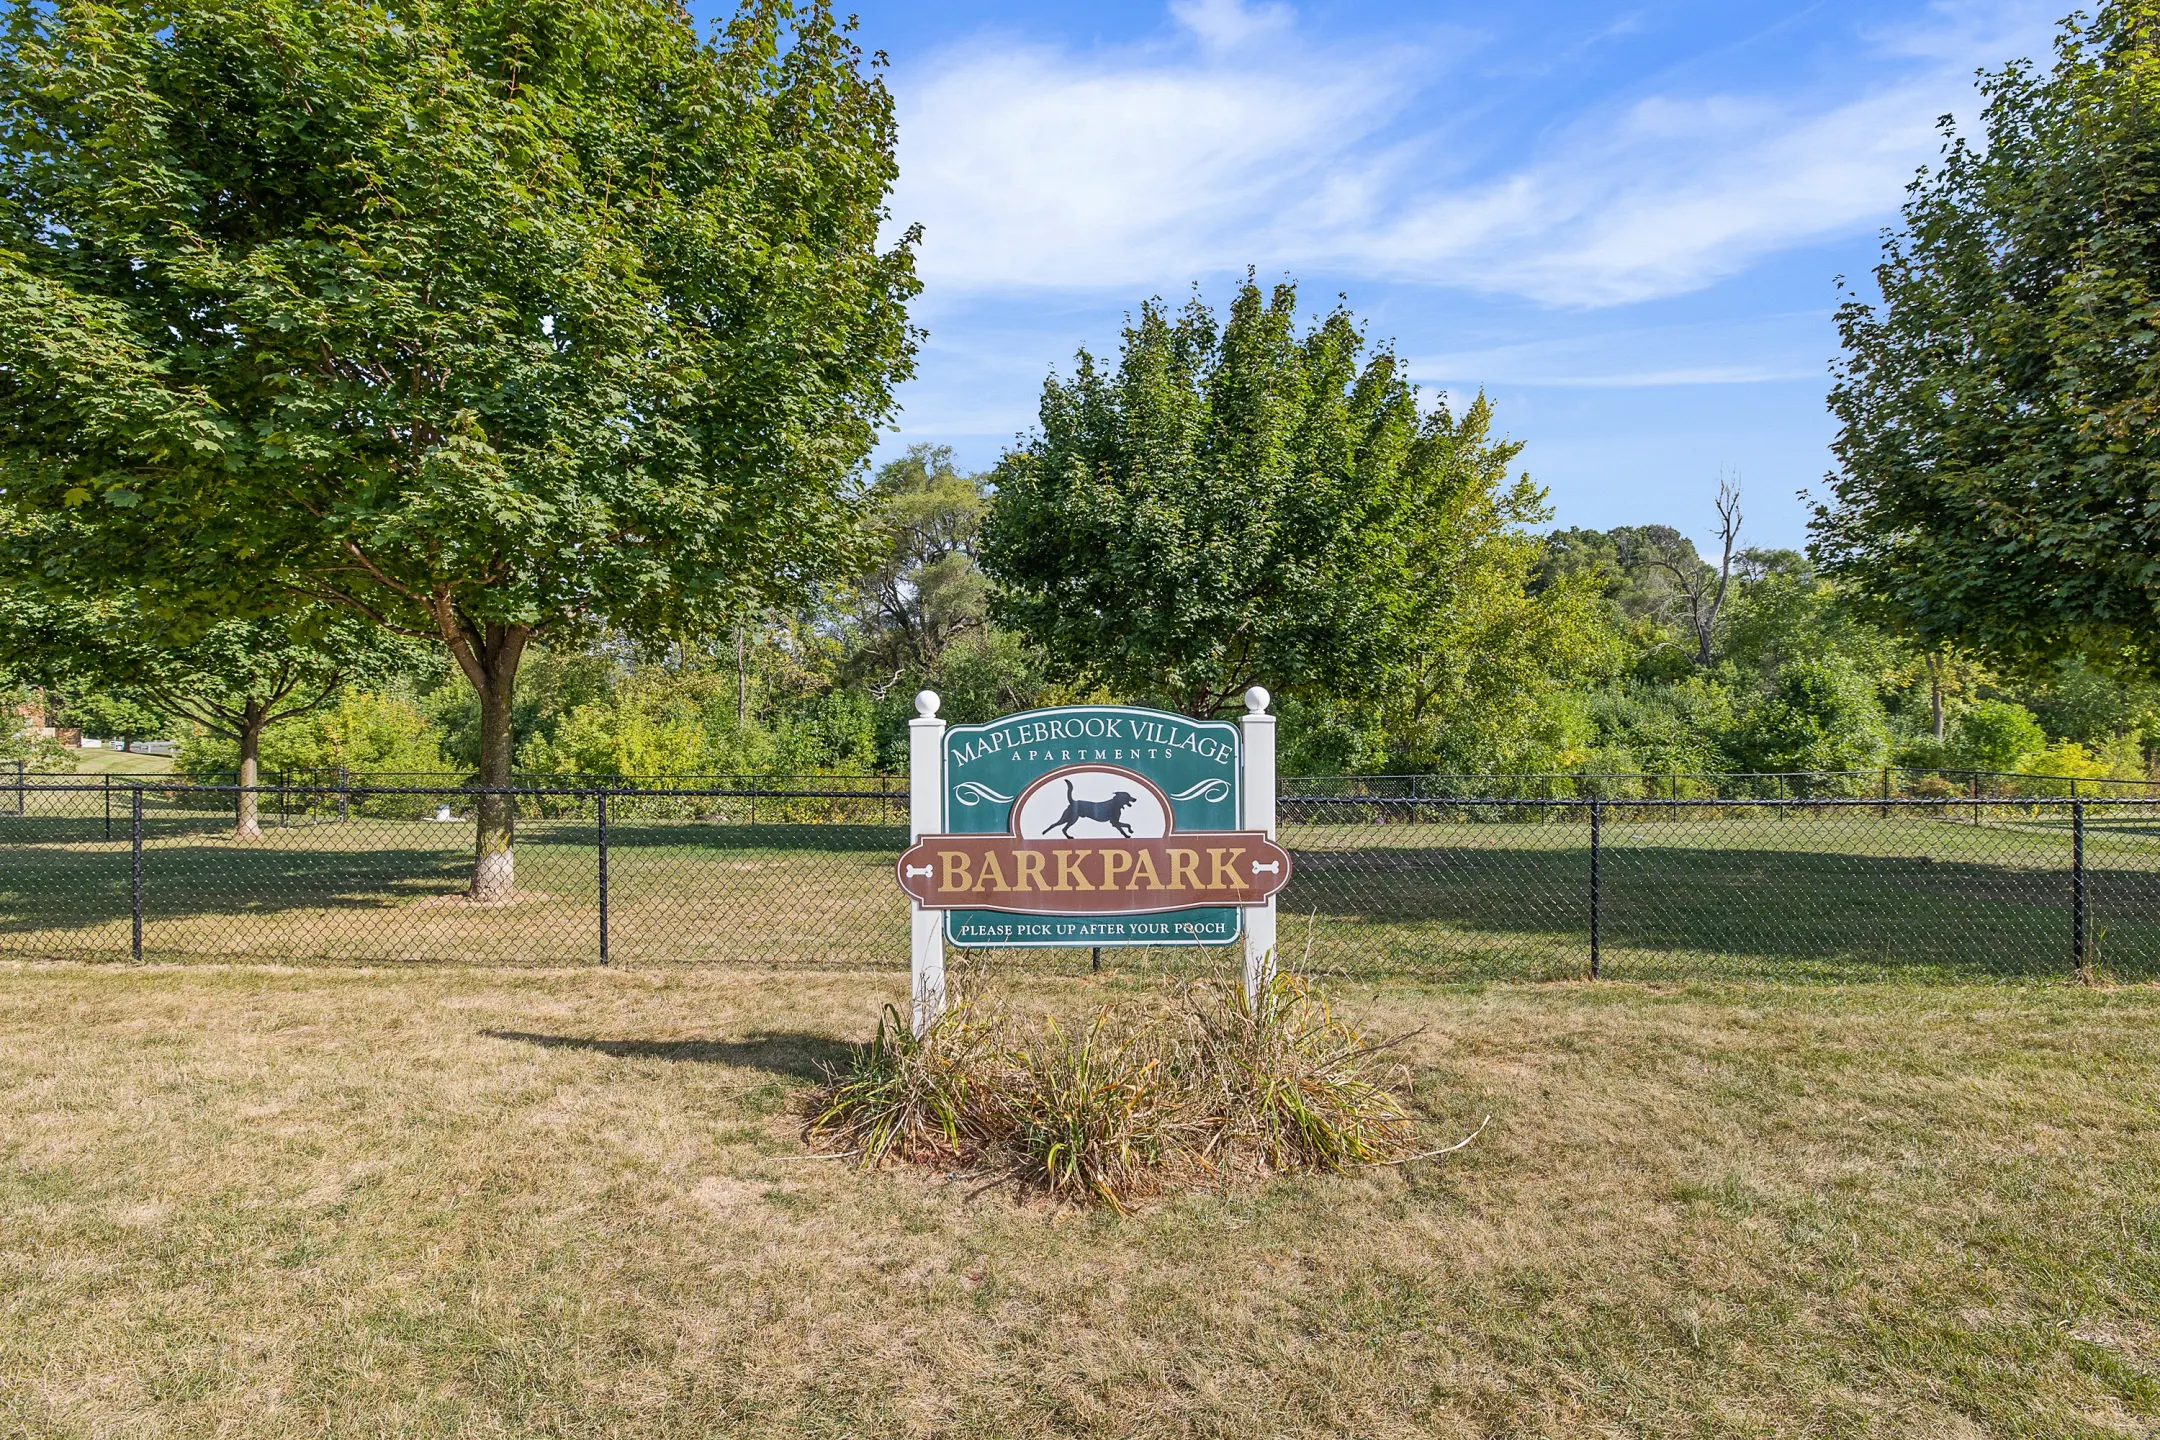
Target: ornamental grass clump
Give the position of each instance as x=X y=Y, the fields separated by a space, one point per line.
x=937 y=1097
x=1099 y=1114
x=1137 y=1101
x=1284 y=1082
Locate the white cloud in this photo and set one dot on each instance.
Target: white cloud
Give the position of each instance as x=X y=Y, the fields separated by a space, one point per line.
x=1034 y=168
x=1227 y=23
x=1028 y=168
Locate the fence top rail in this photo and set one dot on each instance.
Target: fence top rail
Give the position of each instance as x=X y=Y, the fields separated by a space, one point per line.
x=332 y=775
x=1710 y=802
x=150 y=785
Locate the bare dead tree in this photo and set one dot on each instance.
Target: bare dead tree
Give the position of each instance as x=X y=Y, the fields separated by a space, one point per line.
x=1702 y=588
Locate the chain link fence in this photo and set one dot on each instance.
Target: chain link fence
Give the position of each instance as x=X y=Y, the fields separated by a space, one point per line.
x=1450 y=887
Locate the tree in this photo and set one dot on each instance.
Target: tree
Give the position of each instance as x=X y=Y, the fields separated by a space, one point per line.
x=1998 y=735
x=1481 y=651
x=1821 y=714
x=923 y=589
x=235 y=678
x=1701 y=588
x=1234 y=504
x=489 y=322
x=1997 y=447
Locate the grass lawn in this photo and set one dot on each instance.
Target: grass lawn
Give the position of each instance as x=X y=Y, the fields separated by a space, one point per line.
x=120 y=762
x=468 y=1201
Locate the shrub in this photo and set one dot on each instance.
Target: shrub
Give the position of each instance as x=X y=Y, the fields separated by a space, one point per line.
x=365 y=733
x=1997 y=735
x=1098 y=1114
x=1285 y=1081
x=1132 y=1103
x=1822 y=715
x=18 y=746
x=933 y=1097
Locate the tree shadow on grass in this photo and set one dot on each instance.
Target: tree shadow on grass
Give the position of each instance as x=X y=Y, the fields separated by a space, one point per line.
x=1779 y=906
x=49 y=889
x=794 y=1054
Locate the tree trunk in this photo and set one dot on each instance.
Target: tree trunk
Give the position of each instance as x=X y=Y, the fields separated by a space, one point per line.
x=742 y=688
x=489 y=655
x=494 y=858
x=247 y=824
x=1935 y=695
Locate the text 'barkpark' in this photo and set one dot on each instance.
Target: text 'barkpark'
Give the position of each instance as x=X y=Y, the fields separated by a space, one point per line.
x=1004 y=872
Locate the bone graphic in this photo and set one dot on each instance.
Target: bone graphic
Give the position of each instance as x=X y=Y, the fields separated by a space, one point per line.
x=922 y=870
x=1273 y=867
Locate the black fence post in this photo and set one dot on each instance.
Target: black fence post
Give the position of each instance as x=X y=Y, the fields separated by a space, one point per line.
x=344 y=794
x=1975 y=784
x=108 y=805
x=1597 y=818
x=2077 y=884
x=600 y=814
x=1886 y=793
x=20 y=770
x=135 y=869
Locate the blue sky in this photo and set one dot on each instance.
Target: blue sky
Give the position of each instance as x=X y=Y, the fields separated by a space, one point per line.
x=1624 y=222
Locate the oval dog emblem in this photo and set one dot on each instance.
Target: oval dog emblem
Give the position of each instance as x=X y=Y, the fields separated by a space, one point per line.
x=1091 y=804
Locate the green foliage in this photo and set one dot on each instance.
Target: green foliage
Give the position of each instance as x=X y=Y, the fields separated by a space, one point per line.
x=1791 y=614
x=542 y=311
x=1822 y=714
x=660 y=724
x=364 y=732
x=1997 y=447
x=490 y=322
x=234 y=677
x=1997 y=735
x=18 y=746
x=1237 y=503
x=108 y=715
x=923 y=588
x=1644 y=728
x=550 y=684
x=2081 y=702
x=2068 y=760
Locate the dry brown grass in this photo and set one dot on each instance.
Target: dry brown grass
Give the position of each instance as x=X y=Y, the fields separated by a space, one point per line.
x=252 y=1202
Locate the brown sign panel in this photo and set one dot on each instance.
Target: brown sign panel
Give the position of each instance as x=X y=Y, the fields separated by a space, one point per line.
x=1094 y=876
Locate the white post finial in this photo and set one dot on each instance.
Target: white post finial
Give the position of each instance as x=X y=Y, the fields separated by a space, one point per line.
x=1256 y=701
x=926 y=703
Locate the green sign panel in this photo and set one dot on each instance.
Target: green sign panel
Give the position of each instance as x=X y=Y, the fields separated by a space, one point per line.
x=1092 y=772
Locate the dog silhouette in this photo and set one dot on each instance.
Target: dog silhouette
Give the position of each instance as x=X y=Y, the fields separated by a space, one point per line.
x=1106 y=811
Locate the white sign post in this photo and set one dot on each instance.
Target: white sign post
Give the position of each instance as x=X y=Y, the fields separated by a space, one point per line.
x=1259 y=785
x=926 y=790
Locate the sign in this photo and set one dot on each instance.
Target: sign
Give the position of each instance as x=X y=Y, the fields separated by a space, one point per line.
x=1097 y=887
x=1092 y=825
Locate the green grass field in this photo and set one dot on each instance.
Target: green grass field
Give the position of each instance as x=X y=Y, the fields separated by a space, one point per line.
x=1833 y=895
x=100 y=762
x=258 y=1202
